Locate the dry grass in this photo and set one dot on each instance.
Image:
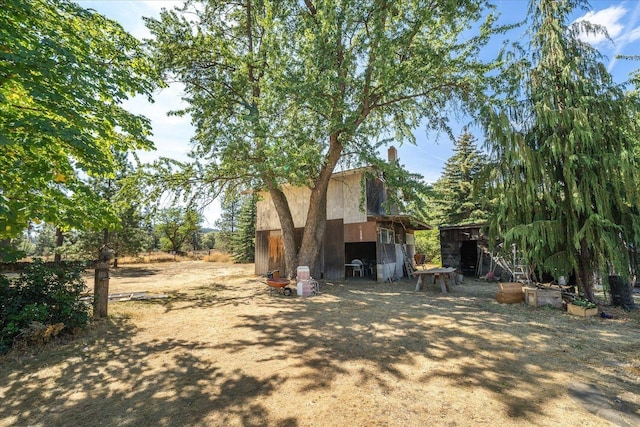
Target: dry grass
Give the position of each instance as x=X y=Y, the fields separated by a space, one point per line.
x=223 y=351
x=160 y=257
x=218 y=257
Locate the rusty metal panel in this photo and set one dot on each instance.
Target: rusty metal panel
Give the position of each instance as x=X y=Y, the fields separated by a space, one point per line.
x=276 y=253
x=360 y=232
x=333 y=250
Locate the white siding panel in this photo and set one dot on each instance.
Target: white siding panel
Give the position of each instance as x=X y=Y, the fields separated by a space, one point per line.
x=343 y=202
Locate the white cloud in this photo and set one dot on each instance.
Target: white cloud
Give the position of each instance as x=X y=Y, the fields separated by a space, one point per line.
x=633 y=35
x=608 y=18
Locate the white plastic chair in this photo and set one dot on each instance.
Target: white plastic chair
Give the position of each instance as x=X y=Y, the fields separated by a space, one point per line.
x=358 y=267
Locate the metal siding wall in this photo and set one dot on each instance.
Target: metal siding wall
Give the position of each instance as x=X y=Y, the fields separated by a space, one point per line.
x=333 y=253
x=360 y=232
x=262 y=252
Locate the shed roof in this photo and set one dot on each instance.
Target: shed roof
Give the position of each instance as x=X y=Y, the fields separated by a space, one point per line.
x=407 y=221
x=462 y=226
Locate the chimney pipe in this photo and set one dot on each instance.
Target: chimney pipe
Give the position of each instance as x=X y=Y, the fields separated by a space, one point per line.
x=392 y=154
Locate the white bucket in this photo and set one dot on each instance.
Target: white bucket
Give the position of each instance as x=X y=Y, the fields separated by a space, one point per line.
x=303 y=273
x=305 y=288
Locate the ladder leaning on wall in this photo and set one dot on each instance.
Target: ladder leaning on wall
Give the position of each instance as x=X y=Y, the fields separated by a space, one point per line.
x=407 y=261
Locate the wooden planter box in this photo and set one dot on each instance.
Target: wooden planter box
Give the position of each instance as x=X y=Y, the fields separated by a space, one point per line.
x=509 y=293
x=581 y=311
x=509 y=287
x=540 y=297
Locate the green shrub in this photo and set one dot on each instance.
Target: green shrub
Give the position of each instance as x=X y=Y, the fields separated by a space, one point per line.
x=42 y=295
x=428 y=243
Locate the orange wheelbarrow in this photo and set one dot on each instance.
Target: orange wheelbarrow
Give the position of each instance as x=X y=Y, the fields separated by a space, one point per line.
x=280 y=286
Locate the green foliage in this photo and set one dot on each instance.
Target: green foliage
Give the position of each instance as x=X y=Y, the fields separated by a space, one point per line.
x=236 y=226
x=295 y=89
x=42 y=294
x=563 y=138
x=45 y=240
x=128 y=235
x=458 y=191
x=177 y=226
x=243 y=240
x=583 y=303
x=209 y=240
x=428 y=243
x=64 y=73
x=227 y=224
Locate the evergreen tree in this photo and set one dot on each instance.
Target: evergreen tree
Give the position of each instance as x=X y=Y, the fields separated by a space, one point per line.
x=128 y=235
x=227 y=224
x=45 y=240
x=563 y=140
x=460 y=202
x=244 y=243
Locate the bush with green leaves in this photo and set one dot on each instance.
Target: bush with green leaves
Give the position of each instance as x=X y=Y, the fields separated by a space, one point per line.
x=41 y=295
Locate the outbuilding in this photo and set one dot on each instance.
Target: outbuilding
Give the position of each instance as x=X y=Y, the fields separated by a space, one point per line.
x=356 y=229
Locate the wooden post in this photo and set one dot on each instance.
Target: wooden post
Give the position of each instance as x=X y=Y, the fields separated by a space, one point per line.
x=101 y=284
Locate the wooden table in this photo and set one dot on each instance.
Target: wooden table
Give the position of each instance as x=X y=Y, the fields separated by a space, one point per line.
x=443 y=275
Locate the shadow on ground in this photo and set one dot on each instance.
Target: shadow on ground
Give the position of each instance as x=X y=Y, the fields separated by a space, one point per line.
x=386 y=330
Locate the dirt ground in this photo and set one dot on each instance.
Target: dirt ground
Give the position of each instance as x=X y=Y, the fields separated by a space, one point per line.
x=222 y=351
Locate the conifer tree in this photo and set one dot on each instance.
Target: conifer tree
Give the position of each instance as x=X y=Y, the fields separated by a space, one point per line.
x=244 y=238
x=460 y=203
x=563 y=143
x=227 y=224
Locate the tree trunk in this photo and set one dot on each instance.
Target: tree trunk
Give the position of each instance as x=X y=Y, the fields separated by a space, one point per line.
x=584 y=274
x=309 y=253
x=288 y=231
x=57 y=258
x=317 y=214
x=5 y=244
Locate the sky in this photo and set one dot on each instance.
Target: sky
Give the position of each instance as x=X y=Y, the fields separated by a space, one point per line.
x=172 y=134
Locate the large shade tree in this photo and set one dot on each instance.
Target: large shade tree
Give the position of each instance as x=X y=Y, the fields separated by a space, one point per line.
x=283 y=92
x=563 y=139
x=64 y=73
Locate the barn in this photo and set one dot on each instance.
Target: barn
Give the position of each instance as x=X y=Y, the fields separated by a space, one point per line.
x=381 y=240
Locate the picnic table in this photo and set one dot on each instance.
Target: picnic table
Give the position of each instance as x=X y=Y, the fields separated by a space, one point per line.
x=444 y=276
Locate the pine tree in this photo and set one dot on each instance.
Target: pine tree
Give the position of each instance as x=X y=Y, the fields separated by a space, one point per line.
x=563 y=140
x=459 y=202
x=243 y=239
x=227 y=224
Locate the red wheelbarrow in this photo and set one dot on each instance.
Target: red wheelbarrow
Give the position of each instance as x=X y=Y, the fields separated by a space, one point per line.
x=279 y=285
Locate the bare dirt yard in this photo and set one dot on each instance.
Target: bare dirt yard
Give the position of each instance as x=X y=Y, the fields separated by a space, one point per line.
x=222 y=351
